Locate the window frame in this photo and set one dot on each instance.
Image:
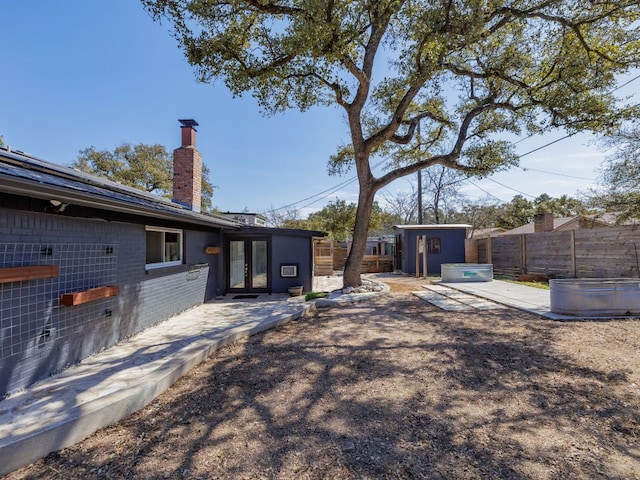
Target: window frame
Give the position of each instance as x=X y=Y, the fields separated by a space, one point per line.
x=164 y=230
x=434 y=246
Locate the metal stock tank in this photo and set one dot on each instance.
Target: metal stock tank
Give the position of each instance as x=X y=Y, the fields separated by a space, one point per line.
x=594 y=297
x=466 y=272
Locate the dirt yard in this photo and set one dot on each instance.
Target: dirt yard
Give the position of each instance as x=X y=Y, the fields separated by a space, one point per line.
x=390 y=388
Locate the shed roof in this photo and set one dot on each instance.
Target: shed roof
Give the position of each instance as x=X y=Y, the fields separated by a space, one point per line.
x=22 y=174
x=440 y=226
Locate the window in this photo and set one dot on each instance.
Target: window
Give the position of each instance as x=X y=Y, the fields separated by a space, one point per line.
x=434 y=246
x=164 y=247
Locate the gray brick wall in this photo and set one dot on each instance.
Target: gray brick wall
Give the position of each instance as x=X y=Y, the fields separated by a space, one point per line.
x=38 y=336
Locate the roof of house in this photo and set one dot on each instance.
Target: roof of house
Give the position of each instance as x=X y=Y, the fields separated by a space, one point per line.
x=530 y=227
x=487 y=232
x=22 y=174
x=248 y=214
x=557 y=224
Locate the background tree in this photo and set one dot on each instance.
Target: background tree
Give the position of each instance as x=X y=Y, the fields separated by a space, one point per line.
x=337 y=219
x=467 y=70
x=562 y=206
x=1 y=141
x=402 y=205
x=620 y=176
x=145 y=167
x=279 y=217
x=479 y=214
x=440 y=193
x=520 y=211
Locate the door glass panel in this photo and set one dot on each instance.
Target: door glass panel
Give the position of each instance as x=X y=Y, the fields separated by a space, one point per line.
x=259 y=264
x=237 y=264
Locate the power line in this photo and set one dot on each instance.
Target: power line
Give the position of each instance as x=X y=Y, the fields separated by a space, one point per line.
x=526 y=169
x=349 y=181
x=320 y=195
x=547 y=145
x=485 y=191
x=510 y=188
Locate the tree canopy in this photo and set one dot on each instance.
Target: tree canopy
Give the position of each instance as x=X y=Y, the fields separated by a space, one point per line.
x=145 y=167
x=470 y=72
x=620 y=176
x=337 y=219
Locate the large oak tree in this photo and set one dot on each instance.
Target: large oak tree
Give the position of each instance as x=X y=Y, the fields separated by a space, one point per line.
x=468 y=71
x=145 y=167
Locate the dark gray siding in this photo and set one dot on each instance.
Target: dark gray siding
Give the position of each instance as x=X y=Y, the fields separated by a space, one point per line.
x=452 y=248
x=291 y=250
x=38 y=336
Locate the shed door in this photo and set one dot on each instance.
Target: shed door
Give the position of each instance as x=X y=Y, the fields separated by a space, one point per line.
x=248 y=267
x=398 y=253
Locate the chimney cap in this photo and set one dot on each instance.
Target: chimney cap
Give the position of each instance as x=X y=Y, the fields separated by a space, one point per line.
x=188 y=122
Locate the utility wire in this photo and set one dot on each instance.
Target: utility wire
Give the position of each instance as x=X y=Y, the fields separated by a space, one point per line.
x=329 y=191
x=485 y=191
x=322 y=195
x=526 y=169
x=510 y=188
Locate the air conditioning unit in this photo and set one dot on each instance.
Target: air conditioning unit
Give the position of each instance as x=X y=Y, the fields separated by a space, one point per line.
x=288 y=270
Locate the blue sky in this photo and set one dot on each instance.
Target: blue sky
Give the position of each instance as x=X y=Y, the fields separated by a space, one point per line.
x=80 y=73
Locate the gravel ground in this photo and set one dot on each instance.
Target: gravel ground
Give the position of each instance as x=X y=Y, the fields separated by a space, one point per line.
x=390 y=388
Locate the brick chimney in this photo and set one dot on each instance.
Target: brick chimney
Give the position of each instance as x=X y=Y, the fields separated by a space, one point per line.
x=543 y=222
x=187 y=169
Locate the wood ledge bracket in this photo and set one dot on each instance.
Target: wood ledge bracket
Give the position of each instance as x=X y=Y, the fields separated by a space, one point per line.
x=33 y=272
x=86 y=296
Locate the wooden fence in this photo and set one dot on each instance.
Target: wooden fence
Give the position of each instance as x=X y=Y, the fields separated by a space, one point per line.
x=606 y=252
x=329 y=256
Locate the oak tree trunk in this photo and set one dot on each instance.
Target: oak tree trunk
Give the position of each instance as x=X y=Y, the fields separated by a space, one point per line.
x=360 y=232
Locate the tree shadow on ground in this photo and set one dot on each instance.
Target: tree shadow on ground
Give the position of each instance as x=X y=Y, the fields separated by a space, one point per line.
x=393 y=389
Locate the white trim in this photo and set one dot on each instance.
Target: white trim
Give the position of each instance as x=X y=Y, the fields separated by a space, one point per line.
x=288 y=271
x=173 y=263
x=439 y=226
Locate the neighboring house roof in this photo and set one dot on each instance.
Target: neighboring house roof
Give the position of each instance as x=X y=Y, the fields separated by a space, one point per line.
x=612 y=219
x=487 y=232
x=245 y=214
x=563 y=223
x=22 y=174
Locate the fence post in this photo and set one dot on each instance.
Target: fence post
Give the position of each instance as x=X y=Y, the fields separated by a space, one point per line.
x=523 y=253
x=573 y=253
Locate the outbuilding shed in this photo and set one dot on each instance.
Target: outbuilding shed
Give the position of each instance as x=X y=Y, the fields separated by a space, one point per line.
x=442 y=243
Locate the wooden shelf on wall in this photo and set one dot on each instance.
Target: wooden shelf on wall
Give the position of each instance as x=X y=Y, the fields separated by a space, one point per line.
x=32 y=272
x=86 y=296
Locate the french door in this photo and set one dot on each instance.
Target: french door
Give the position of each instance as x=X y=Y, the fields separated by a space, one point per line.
x=248 y=265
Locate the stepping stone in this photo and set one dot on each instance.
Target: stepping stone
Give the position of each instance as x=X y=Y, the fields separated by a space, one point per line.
x=443 y=302
x=447 y=298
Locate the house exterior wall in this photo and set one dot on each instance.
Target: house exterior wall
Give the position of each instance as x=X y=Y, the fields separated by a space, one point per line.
x=39 y=336
x=452 y=248
x=284 y=249
x=298 y=251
